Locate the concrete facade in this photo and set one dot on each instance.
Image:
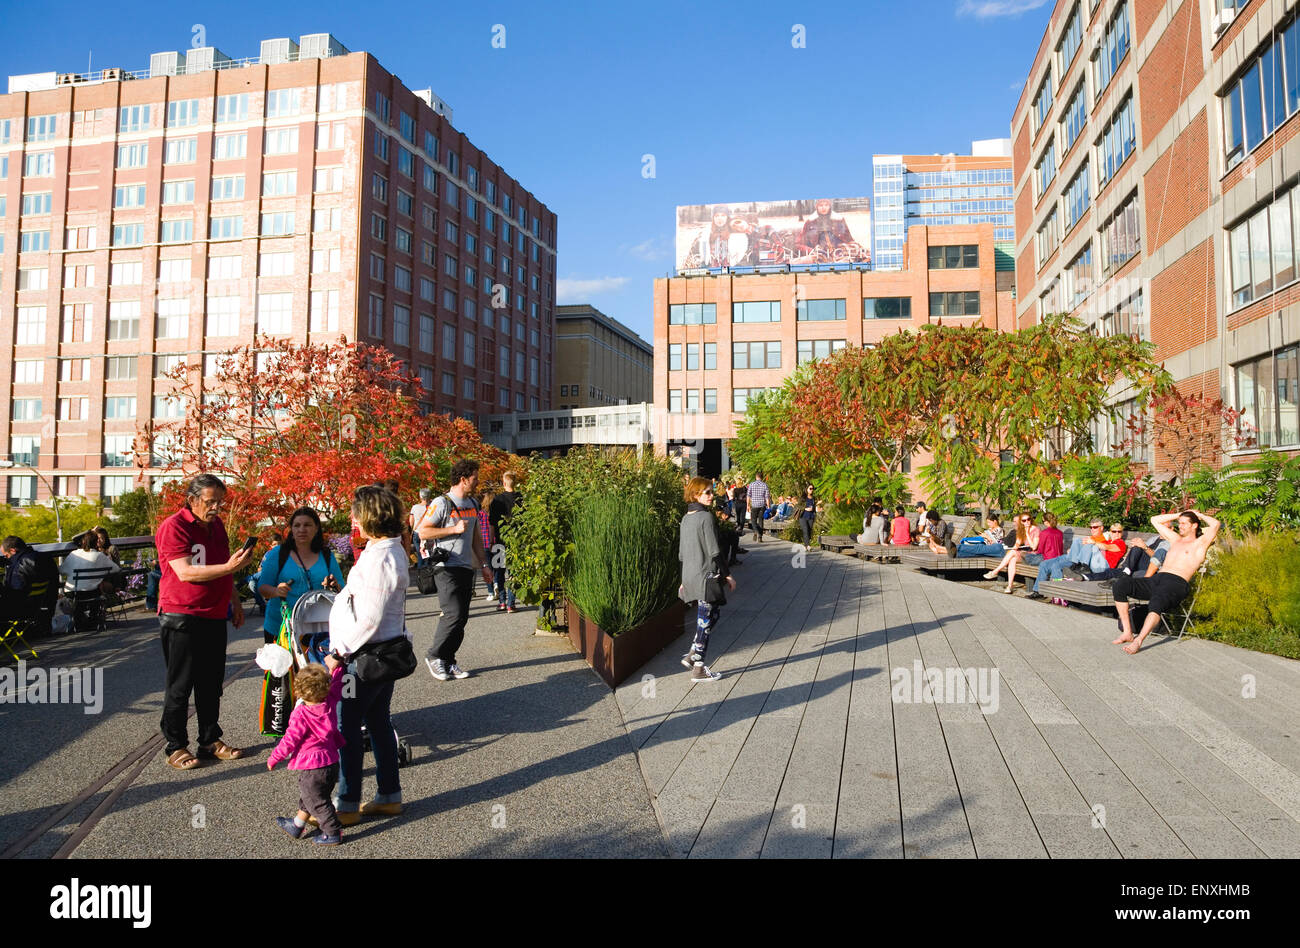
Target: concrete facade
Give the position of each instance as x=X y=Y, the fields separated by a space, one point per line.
x=1191 y=186
x=717 y=406
x=598 y=360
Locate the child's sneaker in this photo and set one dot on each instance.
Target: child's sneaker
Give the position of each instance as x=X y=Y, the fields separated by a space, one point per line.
x=704 y=673
x=326 y=840
x=438 y=669
x=287 y=824
x=690 y=658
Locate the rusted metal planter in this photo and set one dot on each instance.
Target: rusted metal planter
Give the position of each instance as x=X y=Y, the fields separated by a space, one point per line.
x=616 y=657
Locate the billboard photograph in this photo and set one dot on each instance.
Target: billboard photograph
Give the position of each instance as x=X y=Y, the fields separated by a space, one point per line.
x=769 y=233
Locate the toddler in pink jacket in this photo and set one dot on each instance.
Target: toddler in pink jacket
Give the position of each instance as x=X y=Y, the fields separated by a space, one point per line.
x=311 y=745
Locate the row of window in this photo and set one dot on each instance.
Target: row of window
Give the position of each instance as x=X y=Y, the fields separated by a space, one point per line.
x=1268 y=396
x=878 y=307
x=1262 y=249
x=22 y=488
x=1265 y=93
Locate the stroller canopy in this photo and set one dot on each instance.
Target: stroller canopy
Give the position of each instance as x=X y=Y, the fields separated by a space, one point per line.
x=309 y=625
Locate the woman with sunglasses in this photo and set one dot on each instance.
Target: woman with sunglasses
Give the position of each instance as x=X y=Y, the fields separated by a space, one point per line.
x=704 y=570
x=1027 y=535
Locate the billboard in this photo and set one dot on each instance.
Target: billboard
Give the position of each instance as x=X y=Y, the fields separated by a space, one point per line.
x=771 y=233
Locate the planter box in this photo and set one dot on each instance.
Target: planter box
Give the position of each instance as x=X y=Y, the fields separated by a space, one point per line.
x=616 y=657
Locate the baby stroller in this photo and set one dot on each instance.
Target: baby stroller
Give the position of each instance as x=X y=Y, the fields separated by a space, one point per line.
x=309 y=626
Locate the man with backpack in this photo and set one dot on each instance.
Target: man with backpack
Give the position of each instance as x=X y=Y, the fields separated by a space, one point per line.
x=26 y=568
x=451 y=524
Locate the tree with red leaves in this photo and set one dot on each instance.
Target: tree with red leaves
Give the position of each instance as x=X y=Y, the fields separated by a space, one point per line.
x=307 y=424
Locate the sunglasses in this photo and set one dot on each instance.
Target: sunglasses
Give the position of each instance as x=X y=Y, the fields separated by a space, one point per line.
x=1096 y=526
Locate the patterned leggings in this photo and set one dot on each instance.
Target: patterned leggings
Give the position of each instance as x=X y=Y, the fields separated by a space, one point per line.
x=706 y=617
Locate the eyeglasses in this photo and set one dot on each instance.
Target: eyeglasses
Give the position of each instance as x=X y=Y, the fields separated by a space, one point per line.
x=1096 y=526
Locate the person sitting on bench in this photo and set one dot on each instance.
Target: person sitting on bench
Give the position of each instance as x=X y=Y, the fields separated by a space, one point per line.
x=1088 y=552
x=1169 y=587
x=939 y=539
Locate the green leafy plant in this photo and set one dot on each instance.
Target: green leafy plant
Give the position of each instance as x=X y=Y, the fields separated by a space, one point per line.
x=1263 y=494
x=626 y=568
x=540 y=535
x=1106 y=488
x=36 y=524
x=1251 y=595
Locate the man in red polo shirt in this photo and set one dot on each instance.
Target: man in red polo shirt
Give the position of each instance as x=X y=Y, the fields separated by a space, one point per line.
x=196 y=593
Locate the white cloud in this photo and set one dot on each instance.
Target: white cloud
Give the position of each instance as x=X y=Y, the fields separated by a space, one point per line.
x=568 y=290
x=986 y=9
x=648 y=250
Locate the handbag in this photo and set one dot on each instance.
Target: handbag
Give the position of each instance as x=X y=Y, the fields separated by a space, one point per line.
x=277 y=691
x=714 y=592
x=389 y=660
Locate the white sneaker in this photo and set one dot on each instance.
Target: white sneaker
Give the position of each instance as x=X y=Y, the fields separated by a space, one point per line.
x=438 y=669
x=457 y=672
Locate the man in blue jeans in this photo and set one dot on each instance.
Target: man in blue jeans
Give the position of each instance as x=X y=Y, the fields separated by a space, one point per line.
x=1088 y=552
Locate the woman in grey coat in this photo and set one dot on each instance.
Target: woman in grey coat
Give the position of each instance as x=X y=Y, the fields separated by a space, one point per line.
x=702 y=559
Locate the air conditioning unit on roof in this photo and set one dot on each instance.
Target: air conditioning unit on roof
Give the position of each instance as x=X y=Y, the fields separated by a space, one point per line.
x=319 y=46
x=167 y=64
x=282 y=50
x=205 y=59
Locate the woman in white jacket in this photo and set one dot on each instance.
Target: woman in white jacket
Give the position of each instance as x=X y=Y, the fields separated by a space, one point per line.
x=372 y=608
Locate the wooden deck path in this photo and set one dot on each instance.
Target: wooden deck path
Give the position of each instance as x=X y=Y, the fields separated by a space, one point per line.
x=808 y=748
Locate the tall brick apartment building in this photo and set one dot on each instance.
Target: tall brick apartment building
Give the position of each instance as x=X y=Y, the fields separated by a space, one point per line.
x=720 y=339
x=151 y=217
x=1156 y=192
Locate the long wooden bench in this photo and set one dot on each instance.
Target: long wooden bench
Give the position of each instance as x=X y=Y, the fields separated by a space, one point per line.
x=836 y=544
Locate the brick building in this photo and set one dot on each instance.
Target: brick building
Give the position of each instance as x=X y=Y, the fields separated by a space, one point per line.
x=151 y=217
x=1155 y=170
x=598 y=360
x=721 y=338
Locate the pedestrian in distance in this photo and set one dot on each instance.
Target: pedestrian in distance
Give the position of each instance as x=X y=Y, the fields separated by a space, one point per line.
x=759 y=498
x=704 y=571
x=195 y=595
x=808 y=515
x=452 y=523
x=499 y=513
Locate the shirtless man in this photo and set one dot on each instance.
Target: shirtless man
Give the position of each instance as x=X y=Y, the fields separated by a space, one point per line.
x=1167 y=588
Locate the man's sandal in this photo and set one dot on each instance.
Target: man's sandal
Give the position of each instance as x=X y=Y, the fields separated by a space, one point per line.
x=182 y=759
x=221 y=750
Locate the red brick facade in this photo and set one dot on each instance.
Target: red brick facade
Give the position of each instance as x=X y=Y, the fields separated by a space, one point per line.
x=1183 y=296
x=1178 y=184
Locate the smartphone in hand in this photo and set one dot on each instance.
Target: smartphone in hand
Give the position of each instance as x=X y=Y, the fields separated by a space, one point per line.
x=248 y=544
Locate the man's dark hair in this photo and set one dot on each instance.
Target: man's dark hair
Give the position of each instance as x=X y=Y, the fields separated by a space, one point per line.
x=920 y=503
x=462 y=469
x=933 y=516
x=17 y=544
x=392 y=485
x=1190 y=515
x=201 y=483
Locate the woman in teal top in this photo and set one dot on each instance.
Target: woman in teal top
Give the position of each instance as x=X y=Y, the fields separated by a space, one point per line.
x=302 y=562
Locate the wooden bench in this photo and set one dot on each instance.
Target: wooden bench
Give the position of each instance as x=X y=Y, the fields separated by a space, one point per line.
x=881 y=552
x=836 y=544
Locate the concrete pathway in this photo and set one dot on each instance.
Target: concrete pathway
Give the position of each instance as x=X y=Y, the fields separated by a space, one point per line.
x=822 y=740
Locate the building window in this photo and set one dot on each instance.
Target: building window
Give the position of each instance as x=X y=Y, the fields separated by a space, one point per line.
x=177 y=231
x=1078 y=278
x=279 y=183
x=1045 y=170
x=755 y=355
x=38 y=241
x=280 y=141
x=1117 y=142
x=691 y=314
x=1076 y=114
x=710 y=356
x=281 y=102
x=232 y=108
x=675 y=401
x=1121 y=235
x=275 y=312
x=1071 y=40
x=401 y=325
x=887 y=307
x=692 y=356
x=128 y=156
x=674 y=358
x=279 y=224
x=810 y=349
x=226 y=228
x=1262 y=249
x=119 y=368
x=1265 y=92
x=1047 y=238
x=740 y=398
x=174 y=271
x=183 y=113
x=324 y=311
x=765 y=312
x=954 y=258
x=955 y=304
x=1112 y=50
x=133 y=118
x=1077 y=197
x=228 y=188
x=119 y=406
x=180 y=151
x=1042 y=102
x=1129 y=318
x=222 y=316
x=31 y=326
x=1268 y=393
x=41 y=128
x=123 y=320
x=43 y=202
x=819 y=310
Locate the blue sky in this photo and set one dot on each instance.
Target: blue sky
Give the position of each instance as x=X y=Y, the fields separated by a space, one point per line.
x=729 y=108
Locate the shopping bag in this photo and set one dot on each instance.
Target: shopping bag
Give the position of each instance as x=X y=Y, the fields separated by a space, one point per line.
x=277 y=690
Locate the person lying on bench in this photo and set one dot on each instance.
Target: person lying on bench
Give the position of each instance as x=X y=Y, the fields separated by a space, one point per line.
x=1169 y=587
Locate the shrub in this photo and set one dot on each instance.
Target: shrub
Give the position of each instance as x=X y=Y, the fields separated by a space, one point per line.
x=1251 y=597
x=1105 y=487
x=1263 y=494
x=539 y=537
x=36 y=524
x=135 y=514
x=626 y=568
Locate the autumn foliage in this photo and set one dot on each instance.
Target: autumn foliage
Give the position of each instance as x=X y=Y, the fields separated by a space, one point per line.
x=287 y=425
